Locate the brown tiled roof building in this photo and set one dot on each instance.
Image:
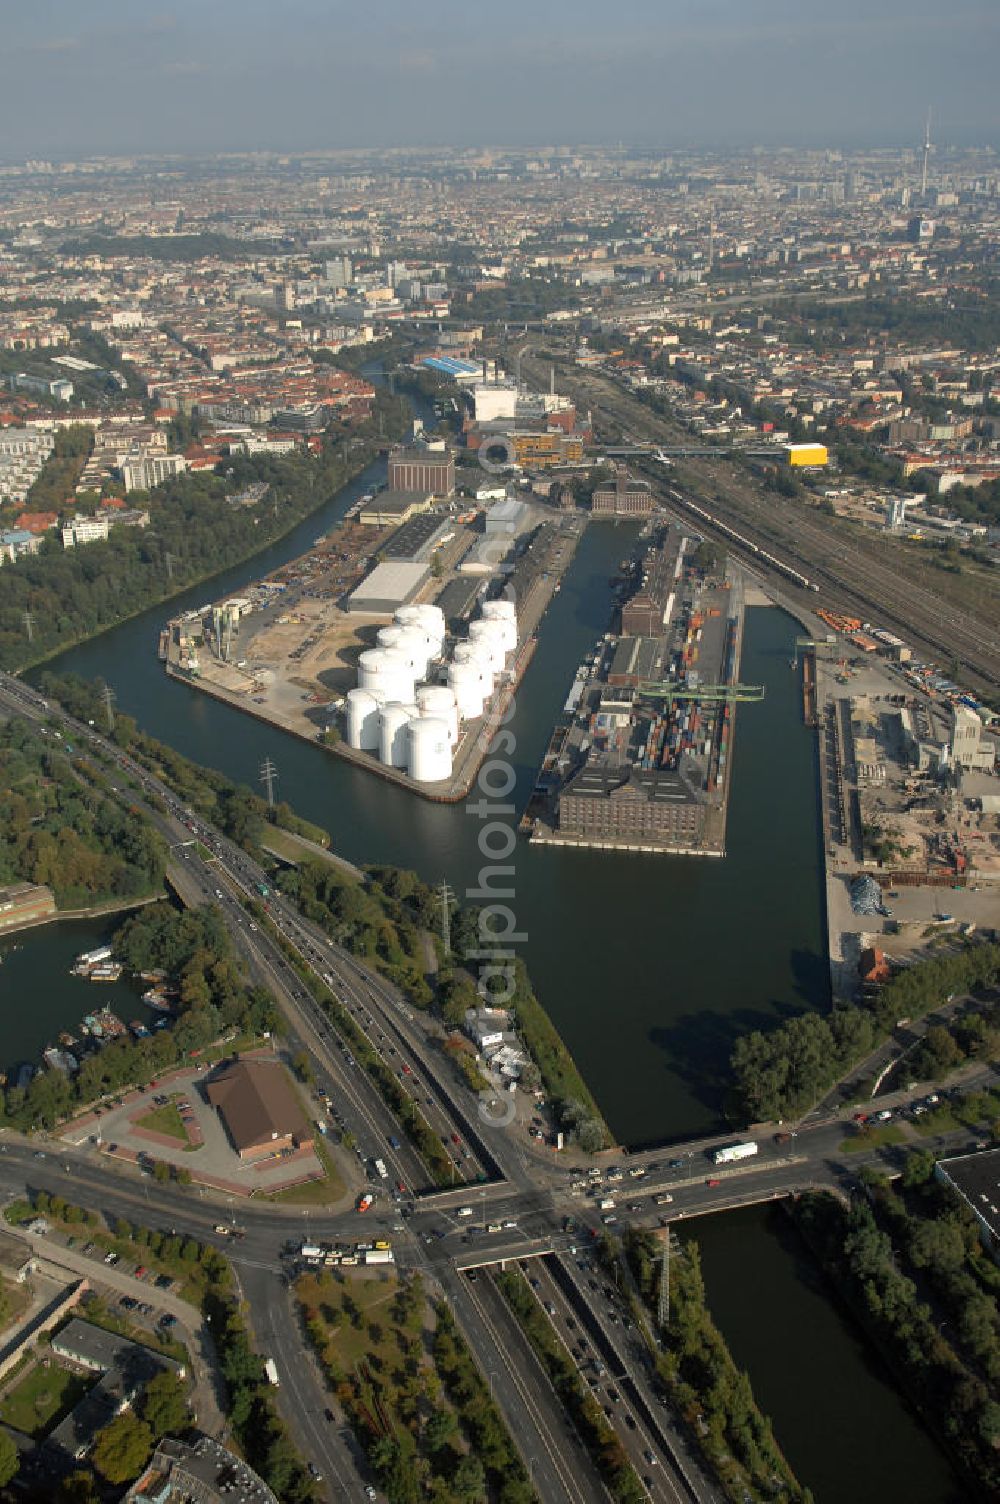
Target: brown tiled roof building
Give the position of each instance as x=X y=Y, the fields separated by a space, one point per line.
x=258 y=1108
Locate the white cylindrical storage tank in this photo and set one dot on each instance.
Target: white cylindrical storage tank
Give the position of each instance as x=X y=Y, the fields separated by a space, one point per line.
x=438 y=700
x=491 y=634
x=388 y=670
x=431 y=621
x=433 y=616
x=406 y=616
x=501 y=610
x=362 y=720
x=393 y=720
x=465 y=682
x=414 y=644
x=429 y=750
x=388 y=637
x=493 y=612
x=479 y=657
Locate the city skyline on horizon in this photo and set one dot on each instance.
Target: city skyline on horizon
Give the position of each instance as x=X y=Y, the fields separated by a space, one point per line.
x=679 y=75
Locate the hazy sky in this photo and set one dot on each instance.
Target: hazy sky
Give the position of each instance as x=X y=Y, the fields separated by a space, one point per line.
x=194 y=75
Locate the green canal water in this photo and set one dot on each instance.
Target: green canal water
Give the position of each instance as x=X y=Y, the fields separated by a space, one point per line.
x=844 y=1428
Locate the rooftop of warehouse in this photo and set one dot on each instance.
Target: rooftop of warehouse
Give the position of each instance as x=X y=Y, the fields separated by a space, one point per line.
x=396 y=501
x=416 y=536
x=394 y=580
x=635 y=655
x=457 y=598
x=655 y=785
x=976 y=1178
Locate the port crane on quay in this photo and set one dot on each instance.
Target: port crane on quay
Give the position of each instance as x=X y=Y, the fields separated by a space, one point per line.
x=656 y=689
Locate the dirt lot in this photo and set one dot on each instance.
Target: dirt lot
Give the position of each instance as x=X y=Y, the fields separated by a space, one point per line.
x=314 y=646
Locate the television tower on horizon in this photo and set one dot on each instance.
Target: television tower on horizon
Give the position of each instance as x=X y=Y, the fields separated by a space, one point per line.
x=927 y=153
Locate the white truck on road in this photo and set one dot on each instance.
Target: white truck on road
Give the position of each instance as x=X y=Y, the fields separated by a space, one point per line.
x=730 y=1153
x=271 y=1371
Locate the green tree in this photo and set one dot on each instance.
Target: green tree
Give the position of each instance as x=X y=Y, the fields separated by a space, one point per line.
x=938 y=1245
x=439 y=1430
x=10 y=1458
x=164 y=1404
x=302 y=1067
x=122 y=1448
x=469 y=1482
x=79 y=1488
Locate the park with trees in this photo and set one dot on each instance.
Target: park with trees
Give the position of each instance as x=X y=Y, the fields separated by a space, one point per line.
x=410 y=1389
x=779 y=1074
x=59 y=827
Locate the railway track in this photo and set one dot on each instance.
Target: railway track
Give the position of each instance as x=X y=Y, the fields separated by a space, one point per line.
x=852 y=579
x=865 y=585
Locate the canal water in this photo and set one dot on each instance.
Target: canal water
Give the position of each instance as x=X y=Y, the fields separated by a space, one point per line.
x=38 y=996
x=650 y=965
x=844 y=1428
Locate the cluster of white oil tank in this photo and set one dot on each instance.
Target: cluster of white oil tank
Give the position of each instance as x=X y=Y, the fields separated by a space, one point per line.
x=414 y=725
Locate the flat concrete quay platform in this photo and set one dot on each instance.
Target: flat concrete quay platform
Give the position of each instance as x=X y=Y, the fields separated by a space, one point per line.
x=542 y=580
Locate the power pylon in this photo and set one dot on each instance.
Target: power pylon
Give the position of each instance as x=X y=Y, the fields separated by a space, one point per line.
x=268 y=773
x=447 y=900
x=109 y=713
x=29 y=625
x=663 y=1312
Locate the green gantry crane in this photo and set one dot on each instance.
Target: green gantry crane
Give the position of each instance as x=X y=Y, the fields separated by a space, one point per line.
x=655 y=689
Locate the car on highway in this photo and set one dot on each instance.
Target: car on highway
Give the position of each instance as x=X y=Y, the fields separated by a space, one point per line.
x=714 y=1183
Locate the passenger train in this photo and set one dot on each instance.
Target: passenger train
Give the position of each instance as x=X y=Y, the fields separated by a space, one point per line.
x=761 y=553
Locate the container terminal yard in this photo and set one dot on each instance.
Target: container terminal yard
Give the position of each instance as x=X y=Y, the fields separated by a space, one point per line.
x=640 y=758
x=397 y=647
